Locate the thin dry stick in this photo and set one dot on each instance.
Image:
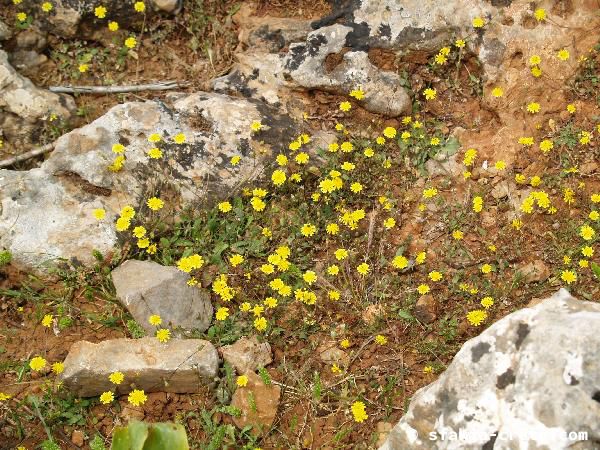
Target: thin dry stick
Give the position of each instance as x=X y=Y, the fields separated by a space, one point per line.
x=372 y=216
x=28 y=155
x=160 y=86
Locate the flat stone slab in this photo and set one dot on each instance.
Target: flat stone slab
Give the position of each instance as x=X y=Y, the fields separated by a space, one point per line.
x=146 y=288
x=179 y=365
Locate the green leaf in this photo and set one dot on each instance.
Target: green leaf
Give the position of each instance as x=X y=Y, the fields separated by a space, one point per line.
x=449 y=148
x=121 y=440
x=596 y=270
x=97 y=443
x=138 y=433
x=403 y=314
x=184 y=243
x=50 y=445
x=220 y=247
x=163 y=436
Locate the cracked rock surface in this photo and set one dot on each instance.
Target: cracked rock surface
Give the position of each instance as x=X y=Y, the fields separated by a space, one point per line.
x=528 y=377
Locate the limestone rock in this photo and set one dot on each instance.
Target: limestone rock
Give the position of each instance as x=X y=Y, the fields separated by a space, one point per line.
x=529 y=377
x=372 y=313
x=170 y=6
x=425 y=309
x=179 y=365
x=258 y=404
x=334 y=57
x=32 y=38
x=449 y=166
x=5 y=32
x=247 y=354
x=27 y=59
x=534 y=271
x=70 y=18
x=146 y=288
x=46 y=213
x=23 y=105
x=306 y=65
x=330 y=353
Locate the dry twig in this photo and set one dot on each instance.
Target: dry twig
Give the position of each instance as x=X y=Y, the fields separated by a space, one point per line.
x=28 y=155
x=160 y=86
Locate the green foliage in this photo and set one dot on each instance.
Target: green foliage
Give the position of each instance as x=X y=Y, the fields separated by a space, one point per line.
x=265 y=376
x=317 y=390
x=230 y=410
x=5 y=257
x=568 y=137
x=419 y=148
x=135 y=329
x=144 y=436
x=97 y=443
x=596 y=270
x=448 y=328
x=50 y=445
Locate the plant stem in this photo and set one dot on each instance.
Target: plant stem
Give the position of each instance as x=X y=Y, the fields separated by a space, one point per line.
x=34 y=402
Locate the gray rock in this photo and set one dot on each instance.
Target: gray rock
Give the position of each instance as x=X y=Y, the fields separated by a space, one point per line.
x=261 y=72
x=46 y=213
x=179 y=365
x=23 y=105
x=31 y=38
x=5 y=32
x=527 y=379
x=306 y=65
x=27 y=59
x=146 y=288
x=445 y=166
x=247 y=354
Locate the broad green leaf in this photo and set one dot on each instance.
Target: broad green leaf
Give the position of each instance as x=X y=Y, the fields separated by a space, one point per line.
x=164 y=436
x=121 y=439
x=138 y=433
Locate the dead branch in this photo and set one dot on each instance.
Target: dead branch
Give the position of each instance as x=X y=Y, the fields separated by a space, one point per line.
x=160 y=86
x=28 y=155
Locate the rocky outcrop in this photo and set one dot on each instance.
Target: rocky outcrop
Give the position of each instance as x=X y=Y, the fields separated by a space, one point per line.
x=335 y=56
x=23 y=105
x=46 y=213
x=179 y=365
x=339 y=54
x=146 y=288
x=526 y=382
